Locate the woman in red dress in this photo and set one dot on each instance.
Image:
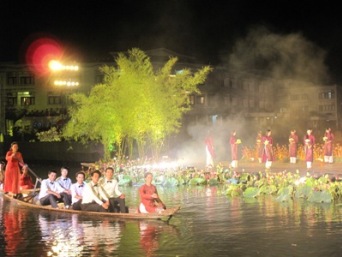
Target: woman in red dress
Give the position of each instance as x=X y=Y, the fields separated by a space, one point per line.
x=12 y=171
x=150 y=201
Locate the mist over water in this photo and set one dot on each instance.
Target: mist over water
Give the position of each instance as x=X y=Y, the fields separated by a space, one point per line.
x=289 y=63
x=192 y=150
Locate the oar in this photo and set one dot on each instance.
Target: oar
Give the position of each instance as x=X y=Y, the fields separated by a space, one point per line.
x=32 y=172
x=29 y=169
x=158 y=200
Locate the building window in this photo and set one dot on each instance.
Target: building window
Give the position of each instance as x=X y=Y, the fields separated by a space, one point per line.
x=27 y=80
x=327 y=95
x=192 y=99
x=27 y=100
x=201 y=100
x=54 y=99
x=12 y=80
x=227 y=99
x=305 y=108
x=304 y=97
x=11 y=101
x=294 y=97
x=328 y=107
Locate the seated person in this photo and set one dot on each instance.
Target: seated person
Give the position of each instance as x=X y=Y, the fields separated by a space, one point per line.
x=25 y=180
x=50 y=191
x=94 y=197
x=111 y=188
x=65 y=182
x=150 y=201
x=77 y=191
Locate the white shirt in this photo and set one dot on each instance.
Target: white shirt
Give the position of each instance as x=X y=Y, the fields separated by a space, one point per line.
x=76 y=189
x=111 y=187
x=46 y=185
x=64 y=182
x=93 y=193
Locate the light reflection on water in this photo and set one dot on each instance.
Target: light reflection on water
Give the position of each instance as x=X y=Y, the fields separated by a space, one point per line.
x=209 y=224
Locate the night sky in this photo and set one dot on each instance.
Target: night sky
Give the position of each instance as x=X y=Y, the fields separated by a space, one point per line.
x=204 y=29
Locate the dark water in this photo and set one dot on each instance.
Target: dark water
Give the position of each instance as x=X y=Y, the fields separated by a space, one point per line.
x=209 y=224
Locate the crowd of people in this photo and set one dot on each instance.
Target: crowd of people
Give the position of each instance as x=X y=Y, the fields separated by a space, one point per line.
x=264 y=148
x=100 y=194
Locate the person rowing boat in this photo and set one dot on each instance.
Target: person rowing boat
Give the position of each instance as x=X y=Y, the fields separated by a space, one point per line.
x=150 y=201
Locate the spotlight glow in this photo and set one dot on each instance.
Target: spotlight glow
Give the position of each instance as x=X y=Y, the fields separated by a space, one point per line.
x=41 y=52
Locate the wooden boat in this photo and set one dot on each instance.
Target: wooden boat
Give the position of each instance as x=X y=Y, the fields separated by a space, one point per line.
x=165 y=215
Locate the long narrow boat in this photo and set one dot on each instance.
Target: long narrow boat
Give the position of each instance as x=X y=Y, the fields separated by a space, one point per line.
x=165 y=215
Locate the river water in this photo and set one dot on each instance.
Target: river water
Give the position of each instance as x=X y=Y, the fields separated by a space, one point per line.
x=208 y=224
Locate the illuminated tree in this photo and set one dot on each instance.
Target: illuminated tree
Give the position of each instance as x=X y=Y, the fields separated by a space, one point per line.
x=135 y=105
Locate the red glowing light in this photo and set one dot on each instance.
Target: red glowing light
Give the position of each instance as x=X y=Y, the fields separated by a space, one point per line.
x=41 y=52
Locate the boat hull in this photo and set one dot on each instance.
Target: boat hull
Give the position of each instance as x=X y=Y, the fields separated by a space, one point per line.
x=166 y=215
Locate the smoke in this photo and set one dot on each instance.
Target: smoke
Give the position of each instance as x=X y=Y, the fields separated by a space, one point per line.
x=279 y=56
x=192 y=149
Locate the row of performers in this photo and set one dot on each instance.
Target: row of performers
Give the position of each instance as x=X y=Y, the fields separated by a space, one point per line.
x=264 y=148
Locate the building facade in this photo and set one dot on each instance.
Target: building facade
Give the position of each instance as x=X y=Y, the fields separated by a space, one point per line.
x=31 y=103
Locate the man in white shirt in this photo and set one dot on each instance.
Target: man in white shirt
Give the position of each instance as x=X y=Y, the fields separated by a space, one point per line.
x=50 y=191
x=94 y=197
x=66 y=183
x=111 y=188
x=77 y=191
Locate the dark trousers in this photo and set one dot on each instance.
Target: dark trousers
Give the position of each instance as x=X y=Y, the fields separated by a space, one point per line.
x=117 y=204
x=77 y=205
x=92 y=207
x=66 y=198
x=50 y=199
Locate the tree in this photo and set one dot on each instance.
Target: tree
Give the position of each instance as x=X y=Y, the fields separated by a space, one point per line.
x=134 y=105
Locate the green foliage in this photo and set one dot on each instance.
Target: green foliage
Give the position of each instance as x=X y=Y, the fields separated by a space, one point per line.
x=51 y=135
x=320 y=197
x=197 y=181
x=284 y=193
x=251 y=192
x=268 y=189
x=303 y=191
x=234 y=190
x=134 y=104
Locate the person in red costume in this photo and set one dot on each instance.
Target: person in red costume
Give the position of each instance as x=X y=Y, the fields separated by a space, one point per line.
x=309 y=143
x=268 y=156
x=25 y=181
x=150 y=201
x=293 y=145
x=328 y=146
x=234 y=142
x=209 y=149
x=12 y=172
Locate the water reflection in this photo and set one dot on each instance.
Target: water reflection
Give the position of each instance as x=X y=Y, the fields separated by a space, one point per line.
x=66 y=235
x=14 y=232
x=209 y=224
x=150 y=236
